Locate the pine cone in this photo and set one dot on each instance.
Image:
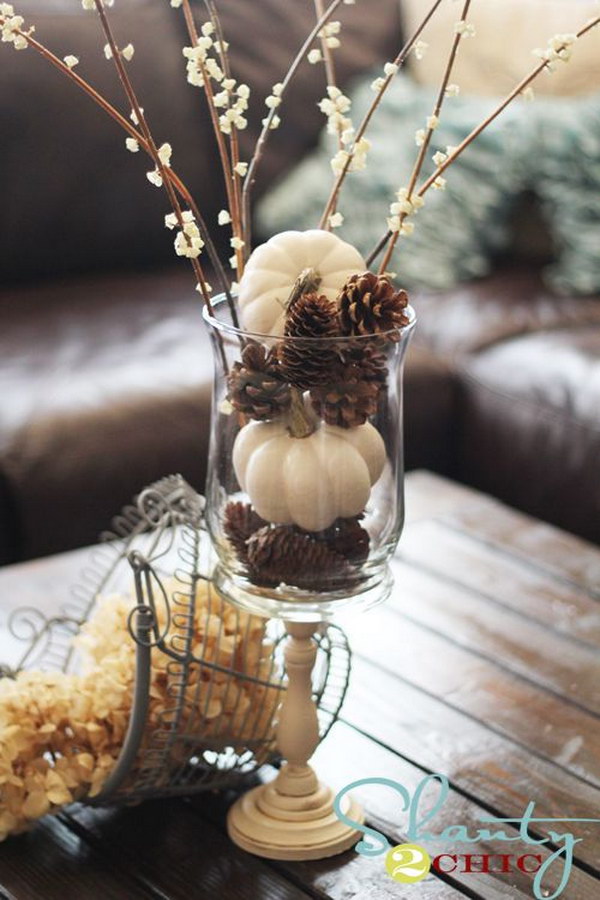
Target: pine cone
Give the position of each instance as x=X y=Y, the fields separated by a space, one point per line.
x=306 y=362
x=240 y=521
x=283 y=554
x=351 y=395
x=255 y=386
x=369 y=304
x=348 y=538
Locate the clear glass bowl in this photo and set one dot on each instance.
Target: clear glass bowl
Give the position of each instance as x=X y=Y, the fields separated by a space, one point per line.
x=305 y=499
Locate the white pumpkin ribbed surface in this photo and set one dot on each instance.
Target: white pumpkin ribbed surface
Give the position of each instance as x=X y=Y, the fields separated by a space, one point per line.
x=274 y=267
x=308 y=481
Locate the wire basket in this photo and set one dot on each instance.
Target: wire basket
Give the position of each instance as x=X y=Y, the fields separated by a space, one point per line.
x=159 y=552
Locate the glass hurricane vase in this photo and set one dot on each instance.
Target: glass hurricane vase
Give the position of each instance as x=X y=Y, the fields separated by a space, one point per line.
x=305 y=500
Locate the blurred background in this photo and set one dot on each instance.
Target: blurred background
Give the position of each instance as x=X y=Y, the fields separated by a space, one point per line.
x=105 y=370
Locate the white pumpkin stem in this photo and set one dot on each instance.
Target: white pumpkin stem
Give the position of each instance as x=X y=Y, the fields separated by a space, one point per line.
x=307 y=282
x=299 y=423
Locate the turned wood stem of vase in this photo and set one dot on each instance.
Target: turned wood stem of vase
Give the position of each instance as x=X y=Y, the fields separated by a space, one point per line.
x=298 y=728
x=292 y=817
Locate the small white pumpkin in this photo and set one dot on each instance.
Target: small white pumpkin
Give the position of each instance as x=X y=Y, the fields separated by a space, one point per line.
x=308 y=481
x=274 y=267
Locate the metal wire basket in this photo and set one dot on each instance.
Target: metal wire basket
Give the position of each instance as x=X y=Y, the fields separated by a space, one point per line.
x=158 y=547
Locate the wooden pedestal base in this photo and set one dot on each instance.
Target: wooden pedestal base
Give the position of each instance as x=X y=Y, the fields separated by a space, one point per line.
x=291 y=818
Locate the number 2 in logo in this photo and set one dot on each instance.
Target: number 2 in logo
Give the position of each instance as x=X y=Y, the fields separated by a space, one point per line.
x=407 y=863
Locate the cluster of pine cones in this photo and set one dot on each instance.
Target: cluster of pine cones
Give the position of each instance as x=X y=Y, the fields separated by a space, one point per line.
x=344 y=378
x=323 y=561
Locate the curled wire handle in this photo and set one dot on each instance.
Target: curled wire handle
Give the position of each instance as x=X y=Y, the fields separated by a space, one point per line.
x=172 y=497
x=145 y=578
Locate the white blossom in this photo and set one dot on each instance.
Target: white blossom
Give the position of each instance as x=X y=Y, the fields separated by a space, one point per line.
x=336 y=220
x=275 y=122
x=420 y=48
x=132 y=145
x=241 y=168
x=440 y=183
x=224 y=217
x=464 y=29
x=154 y=177
x=134 y=117
x=432 y=122
x=229 y=84
x=272 y=102
x=188 y=241
x=390 y=69
x=12 y=27
x=108 y=51
x=127 y=52
x=165 y=151
x=243 y=91
x=207 y=29
x=71 y=61
x=452 y=90
x=88 y=4
x=407 y=228
x=233 y=262
x=378 y=84
x=237 y=243
x=278 y=89
x=439 y=157
x=420 y=137
x=559 y=49
x=176 y=3
x=528 y=93
x=314 y=56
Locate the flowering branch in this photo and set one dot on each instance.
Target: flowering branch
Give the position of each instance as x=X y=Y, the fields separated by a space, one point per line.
x=188 y=242
x=268 y=122
x=197 y=58
x=358 y=137
x=26 y=39
x=558 y=50
x=399 y=215
x=236 y=206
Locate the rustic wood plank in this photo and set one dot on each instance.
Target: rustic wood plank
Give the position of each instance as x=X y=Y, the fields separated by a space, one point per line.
x=169 y=848
x=463 y=560
x=430 y=496
x=541 y=655
x=536 y=543
x=502 y=775
x=547 y=725
x=52 y=863
x=564 y=555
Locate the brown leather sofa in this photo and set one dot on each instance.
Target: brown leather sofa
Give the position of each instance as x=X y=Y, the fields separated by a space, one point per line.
x=105 y=367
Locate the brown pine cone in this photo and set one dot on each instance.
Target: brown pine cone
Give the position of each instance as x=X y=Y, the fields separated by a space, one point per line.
x=306 y=362
x=255 y=386
x=350 y=397
x=370 y=304
x=283 y=554
x=240 y=521
x=348 y=538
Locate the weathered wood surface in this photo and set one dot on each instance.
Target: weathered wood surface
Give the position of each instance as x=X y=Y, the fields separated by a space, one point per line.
x=484 y=666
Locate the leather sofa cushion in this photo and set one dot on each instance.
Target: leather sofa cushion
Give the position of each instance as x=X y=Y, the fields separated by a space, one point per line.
x=106 y=387
x=511 y=302
x=529 y=427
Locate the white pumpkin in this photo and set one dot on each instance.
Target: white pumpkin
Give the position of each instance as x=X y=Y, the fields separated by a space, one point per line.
x=308 y=481
x=274 y=267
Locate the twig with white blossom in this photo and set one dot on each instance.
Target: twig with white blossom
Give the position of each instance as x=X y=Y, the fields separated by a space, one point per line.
x=389 y=75
x=559 y=48
x=424 y=136
x=259 y=147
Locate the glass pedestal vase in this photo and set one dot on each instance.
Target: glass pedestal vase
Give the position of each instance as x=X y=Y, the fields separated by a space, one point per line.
x=305 y=506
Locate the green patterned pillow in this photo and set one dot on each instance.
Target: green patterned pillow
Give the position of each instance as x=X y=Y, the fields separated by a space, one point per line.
x=550 y=145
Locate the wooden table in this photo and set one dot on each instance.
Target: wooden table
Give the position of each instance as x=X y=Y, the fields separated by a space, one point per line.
x=484 y=666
